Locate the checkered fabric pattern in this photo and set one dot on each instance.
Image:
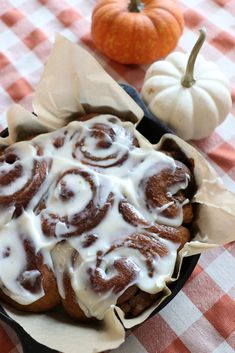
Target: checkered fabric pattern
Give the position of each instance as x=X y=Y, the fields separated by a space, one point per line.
x=201 y=318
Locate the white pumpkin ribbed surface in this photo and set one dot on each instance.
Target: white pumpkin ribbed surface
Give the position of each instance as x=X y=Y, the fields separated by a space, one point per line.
x=194 y=112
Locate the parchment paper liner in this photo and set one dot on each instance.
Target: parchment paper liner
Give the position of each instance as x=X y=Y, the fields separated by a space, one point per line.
x=73 y=82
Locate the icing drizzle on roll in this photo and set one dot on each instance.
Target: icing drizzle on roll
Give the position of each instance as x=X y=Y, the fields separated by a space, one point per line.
x=94 y=202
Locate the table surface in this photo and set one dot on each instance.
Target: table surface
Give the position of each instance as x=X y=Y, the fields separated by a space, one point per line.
x=201 y=318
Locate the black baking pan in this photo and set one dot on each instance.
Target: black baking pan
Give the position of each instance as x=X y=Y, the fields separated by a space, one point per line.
x=152 y=129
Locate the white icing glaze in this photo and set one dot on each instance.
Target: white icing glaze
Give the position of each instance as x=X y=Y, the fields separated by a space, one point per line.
x=26 y=153
x=13 y=260
x=95 y=305
x=69 y=194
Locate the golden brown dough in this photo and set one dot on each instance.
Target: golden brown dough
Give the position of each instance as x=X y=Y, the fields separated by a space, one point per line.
x=148 y=238
x=50 y=299
x=70 y=303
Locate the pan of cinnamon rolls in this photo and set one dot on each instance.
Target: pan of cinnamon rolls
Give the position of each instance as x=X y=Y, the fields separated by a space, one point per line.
x=93 y=216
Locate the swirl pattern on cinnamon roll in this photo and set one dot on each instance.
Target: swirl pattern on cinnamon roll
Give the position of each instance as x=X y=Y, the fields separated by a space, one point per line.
x=22 y=171
x=26 y=280
x=92 y=215
x=75 y=204
x=104 y=145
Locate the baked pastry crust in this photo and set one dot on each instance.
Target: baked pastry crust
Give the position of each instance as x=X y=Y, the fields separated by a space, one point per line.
x=99 y=216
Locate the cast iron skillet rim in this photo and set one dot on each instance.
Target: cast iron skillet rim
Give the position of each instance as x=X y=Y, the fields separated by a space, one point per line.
x=152 y=129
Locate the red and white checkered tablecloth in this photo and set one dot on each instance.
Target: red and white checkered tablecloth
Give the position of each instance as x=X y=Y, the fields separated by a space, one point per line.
x=201 y=318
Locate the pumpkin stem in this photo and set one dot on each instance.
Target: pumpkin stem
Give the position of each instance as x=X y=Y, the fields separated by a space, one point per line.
x=188 y=79
x=135 y=6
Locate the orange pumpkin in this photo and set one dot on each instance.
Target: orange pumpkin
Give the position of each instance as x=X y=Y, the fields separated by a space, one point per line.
x=136 y=32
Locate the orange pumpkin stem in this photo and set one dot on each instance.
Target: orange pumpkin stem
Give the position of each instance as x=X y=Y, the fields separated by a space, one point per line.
x=188 y=79
x=135 y=6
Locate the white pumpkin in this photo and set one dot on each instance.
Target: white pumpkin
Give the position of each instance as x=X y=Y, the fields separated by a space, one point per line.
x=191 y=98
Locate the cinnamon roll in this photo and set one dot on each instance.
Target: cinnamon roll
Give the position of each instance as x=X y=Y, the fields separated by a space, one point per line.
x=26 y=281
x=104 y=144
x=70 y=188
x=22 y=171
x=93 y=216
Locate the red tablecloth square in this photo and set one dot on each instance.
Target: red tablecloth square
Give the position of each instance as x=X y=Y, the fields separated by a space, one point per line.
x=193 y=18
x=11 y=17
x=3 y=61
x=224 y=156
x=35 y=38
x=203 y=286
x=210 y=143
x=222 y=2
x=67 y=17
x=222 y=316
x=176 y=346
x=224 y=42
x=155 y=335
x=19 y=89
